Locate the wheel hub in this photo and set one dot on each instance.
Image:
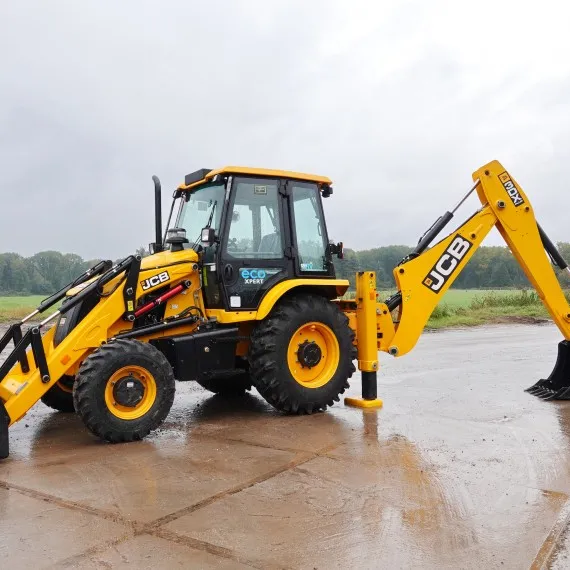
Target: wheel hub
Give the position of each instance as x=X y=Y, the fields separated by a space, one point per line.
x=128 y=391
x=309 y=354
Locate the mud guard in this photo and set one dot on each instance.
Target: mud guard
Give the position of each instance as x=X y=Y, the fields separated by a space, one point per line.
x=557 y=385
x=4 y=441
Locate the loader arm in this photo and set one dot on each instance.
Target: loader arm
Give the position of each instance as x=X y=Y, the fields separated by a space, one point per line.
x=423 y=277
x=37 y=362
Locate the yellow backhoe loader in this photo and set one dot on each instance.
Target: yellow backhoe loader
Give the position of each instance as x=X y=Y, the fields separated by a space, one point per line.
x=240 y=291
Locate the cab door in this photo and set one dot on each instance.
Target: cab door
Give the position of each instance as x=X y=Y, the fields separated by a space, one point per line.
x=309 y=232
x=256 y=244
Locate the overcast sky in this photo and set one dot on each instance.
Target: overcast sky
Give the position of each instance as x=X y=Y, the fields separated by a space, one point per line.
x=397 y=102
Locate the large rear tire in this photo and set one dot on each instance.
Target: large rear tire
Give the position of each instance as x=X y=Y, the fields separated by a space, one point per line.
x=301 y=354
x=124 y=390
x=60 y=395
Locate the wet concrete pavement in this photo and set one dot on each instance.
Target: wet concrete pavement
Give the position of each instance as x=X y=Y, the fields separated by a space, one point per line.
x=460 y=469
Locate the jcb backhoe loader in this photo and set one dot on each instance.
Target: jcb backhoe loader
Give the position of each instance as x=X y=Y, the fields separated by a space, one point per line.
x=241 y=291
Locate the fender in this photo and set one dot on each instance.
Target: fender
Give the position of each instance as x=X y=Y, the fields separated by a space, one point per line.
x=333 y=287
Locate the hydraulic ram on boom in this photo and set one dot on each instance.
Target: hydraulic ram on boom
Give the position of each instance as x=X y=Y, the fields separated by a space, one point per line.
x=425 y=275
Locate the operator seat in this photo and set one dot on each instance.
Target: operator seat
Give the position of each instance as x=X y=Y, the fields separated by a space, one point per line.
x=271 y=243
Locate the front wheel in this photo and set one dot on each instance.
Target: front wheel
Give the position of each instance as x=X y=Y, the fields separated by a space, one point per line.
x=124 y=390
x=301 y=355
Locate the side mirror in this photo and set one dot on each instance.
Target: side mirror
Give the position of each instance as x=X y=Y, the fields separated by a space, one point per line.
x=337 y=249
x=208 y=236
x=327 y=191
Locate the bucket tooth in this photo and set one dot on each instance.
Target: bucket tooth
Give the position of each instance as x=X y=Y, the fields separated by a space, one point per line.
x=563 y=394
x=546 y=394
x=557 y=385
x=539 y=392
x=536 y=387
x=550 y=396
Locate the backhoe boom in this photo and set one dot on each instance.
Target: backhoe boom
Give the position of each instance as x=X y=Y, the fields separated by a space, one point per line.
x=425 y=275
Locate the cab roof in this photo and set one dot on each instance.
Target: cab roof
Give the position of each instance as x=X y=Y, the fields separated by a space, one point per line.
x=205 y=175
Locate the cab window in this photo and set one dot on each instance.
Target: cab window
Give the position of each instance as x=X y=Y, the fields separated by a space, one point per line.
x=309 y=224
x=255 y=227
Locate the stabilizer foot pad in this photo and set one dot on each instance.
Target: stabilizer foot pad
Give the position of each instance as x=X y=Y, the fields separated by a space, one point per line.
x=362 y=403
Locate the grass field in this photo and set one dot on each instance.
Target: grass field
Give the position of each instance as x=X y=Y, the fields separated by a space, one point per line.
x=463 y=297
x=13 y=308
x=470 y=307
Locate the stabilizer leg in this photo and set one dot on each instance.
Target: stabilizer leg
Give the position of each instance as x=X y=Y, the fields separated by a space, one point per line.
x=367 y=334
x=557 y=385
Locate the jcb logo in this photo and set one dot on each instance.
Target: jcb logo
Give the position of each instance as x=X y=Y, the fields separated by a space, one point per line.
x=511 y=189
x=155 y=280
x=447 y=264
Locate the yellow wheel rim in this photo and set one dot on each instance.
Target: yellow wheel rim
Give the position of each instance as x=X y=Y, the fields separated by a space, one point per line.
x=319 y=374
x=149 y=395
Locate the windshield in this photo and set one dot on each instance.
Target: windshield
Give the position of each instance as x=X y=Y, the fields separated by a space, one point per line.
x=204 y=208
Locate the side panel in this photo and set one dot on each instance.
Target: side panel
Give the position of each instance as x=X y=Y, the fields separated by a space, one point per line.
x=196 y=356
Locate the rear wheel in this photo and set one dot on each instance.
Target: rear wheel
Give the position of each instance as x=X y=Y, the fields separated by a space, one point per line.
x=60 y=395
x=124 y=390
x=301 y=355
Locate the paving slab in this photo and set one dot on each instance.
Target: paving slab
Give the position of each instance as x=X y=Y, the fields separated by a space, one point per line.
x=151 y=553
x=391 y=509
x=35 y=533
x=145 y=481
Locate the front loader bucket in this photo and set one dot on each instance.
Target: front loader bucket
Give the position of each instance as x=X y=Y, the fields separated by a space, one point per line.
x=557 y=385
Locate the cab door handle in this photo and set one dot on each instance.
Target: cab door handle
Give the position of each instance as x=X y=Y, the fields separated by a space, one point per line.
x=228 y=272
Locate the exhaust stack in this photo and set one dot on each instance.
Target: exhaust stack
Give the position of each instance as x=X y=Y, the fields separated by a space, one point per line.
x=157 y=246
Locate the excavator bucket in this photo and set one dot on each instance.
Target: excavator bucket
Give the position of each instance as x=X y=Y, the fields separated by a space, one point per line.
x=557 y=385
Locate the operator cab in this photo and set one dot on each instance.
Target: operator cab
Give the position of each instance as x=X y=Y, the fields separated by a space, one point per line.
x=254 y=228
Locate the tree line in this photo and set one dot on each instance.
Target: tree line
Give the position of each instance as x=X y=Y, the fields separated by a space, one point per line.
x=490 y=267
